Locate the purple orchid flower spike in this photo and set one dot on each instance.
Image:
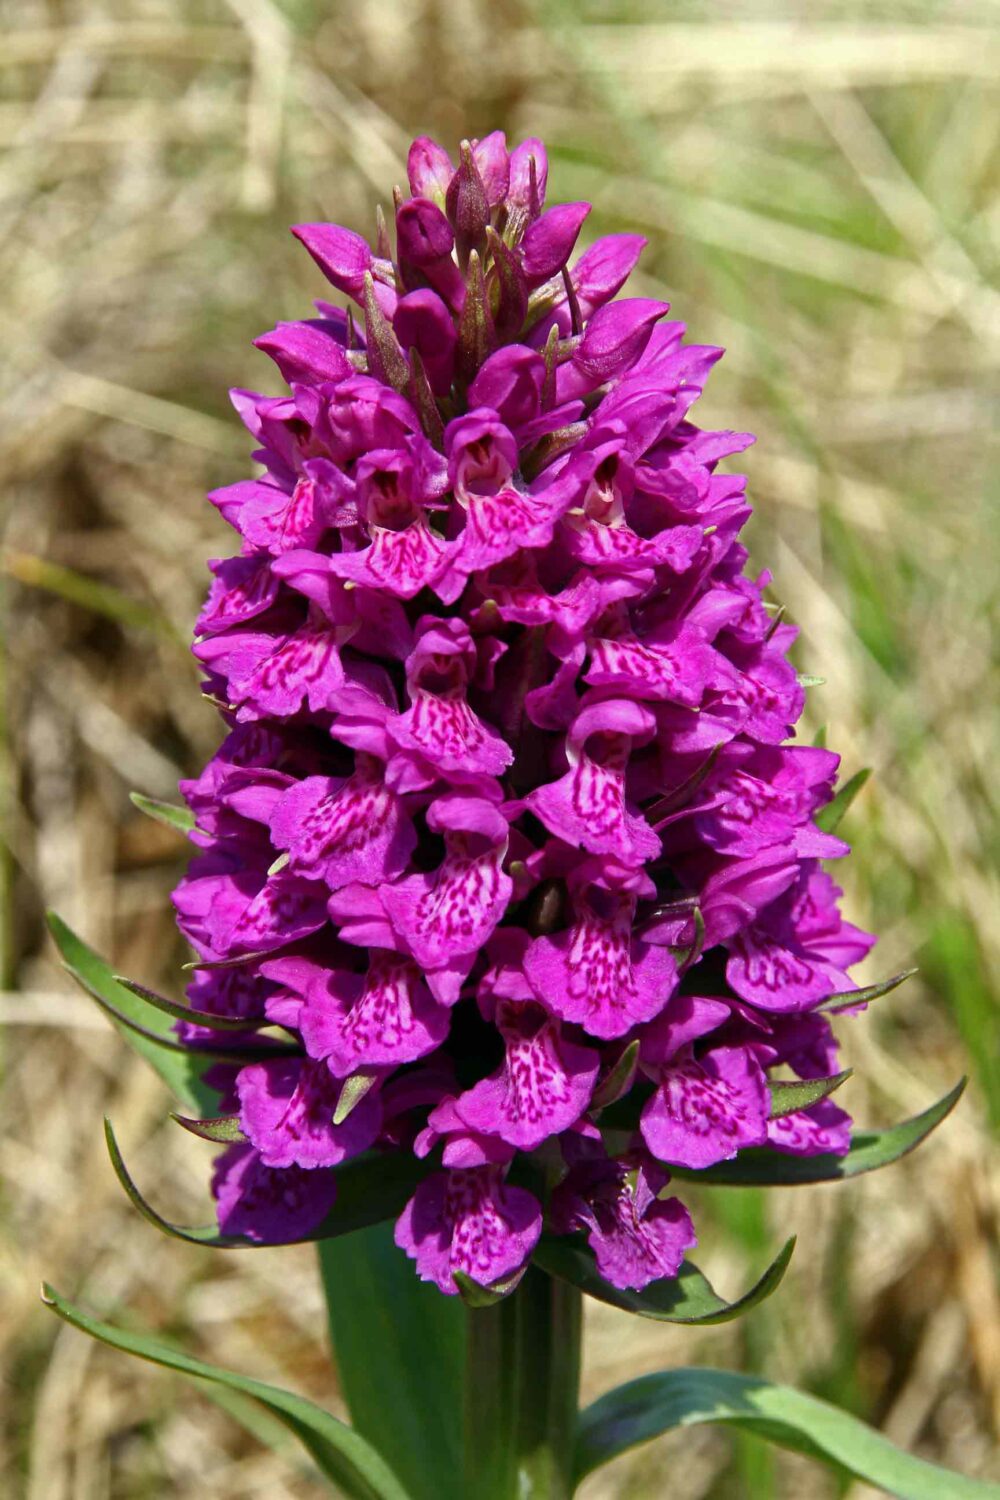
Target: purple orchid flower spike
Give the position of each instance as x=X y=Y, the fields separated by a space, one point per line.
x=506 y=797
x=508 y=904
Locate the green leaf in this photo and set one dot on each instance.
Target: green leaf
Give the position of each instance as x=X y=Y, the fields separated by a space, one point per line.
x=788 y=1098
x=353 y=1091
x=619 y=1080
x=370 y=1188
x=870 y=1149
x=202 y=1052
x=829 y=817
x=181 y=1012
x=688 y=1297
x=400 y=1353
x=180 y=819
x=847 y=998
x=149 y=1032
x=223 y=1130
x=342 y=1455
x=653 y=1404
x=474 y=1294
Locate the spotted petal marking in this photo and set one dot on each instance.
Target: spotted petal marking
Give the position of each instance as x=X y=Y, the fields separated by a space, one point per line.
x=598 y=975
x=339 y=830
x=468 y=1220
x=286 y=1111
x=705 y=1110
x=381 y=1019
x=543 y=1087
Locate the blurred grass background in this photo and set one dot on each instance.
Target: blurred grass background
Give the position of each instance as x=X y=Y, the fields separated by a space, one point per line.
x=818 y=184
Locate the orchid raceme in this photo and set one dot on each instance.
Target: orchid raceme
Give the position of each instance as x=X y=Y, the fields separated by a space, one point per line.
x=505 y=793
x=509 y=908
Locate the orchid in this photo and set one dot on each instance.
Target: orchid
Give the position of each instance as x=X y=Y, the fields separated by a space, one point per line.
x=508 y=907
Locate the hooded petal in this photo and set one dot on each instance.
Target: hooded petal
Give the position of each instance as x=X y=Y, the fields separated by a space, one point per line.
x=597 y=973
x=588 y=807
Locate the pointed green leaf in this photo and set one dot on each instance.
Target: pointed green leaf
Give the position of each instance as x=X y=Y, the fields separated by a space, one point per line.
x=202 y=1053
x=788 y=1098
x=224 y=1130
x=474 y=1294
x=400 y=1354
x=619 y=1080
x=370 y=1189
x=180 y=819
x=181 y=1012
x=342 y=1455
x=829 y=817
x=353 y=1091
x=150 y=1033
x=870 y=1149
x=847 y=998
x=653 y=1404
x=688 y=1297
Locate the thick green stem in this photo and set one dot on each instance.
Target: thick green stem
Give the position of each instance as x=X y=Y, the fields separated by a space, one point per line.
x=522 y=1380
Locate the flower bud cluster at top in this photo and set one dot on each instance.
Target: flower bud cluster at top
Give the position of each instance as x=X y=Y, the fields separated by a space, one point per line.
x=504 y=827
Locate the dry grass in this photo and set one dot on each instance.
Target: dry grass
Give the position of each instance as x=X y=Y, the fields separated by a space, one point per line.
x=819 y=188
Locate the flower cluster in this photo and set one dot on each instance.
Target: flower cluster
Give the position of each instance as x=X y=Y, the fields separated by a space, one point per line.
x=505 y=829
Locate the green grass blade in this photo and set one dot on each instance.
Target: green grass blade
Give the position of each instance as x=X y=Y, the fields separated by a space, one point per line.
x=341 y=1454
x=645 y=1408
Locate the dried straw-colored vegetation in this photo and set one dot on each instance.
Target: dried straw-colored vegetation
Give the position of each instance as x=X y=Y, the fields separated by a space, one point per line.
x=817 y=183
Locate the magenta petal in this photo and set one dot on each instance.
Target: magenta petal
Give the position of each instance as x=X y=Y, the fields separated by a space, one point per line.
x=548 y=242
x=381 y=1019
x=468 y=1220
x=265 y=1204
x=286 y=1111
x=544 y=1086
x=338 y=831
x=823 y=1128
x=705 y=1110
x=429 y=168
x=636 y=1236
x=341 y=255
x=528 y=163
x=306 y=351
x=597 y=974
x=446 y=916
